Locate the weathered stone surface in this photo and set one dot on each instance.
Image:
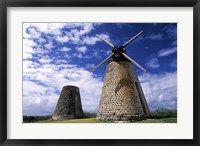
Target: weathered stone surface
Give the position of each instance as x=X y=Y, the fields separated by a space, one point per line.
x=69 y=104
x=122 y=98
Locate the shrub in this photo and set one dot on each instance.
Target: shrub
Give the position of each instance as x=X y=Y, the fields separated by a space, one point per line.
x=163 y=113
x=89 y=115
x=29 y=119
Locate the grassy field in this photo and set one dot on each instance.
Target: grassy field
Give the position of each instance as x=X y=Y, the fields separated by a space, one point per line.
x=85 y=120
x=162 y=120
x=93 y=120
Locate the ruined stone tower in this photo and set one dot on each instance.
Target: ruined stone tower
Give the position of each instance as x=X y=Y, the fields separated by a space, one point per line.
x=69 y=104
x=122 y=98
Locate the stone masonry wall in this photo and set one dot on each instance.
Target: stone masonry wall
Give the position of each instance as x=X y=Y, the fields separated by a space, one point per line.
x=69 y=104
x=122 y=98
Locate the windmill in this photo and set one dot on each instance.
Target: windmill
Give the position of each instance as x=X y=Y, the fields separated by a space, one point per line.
x=122 y=98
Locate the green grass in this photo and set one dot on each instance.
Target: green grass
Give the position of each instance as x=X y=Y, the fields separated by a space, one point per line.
x=85 y=120
x=93 y=120
x=162 y=120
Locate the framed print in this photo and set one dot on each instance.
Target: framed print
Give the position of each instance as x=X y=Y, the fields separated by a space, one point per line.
x=99 y=72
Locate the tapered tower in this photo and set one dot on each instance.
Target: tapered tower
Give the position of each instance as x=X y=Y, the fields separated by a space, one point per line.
x=122 y=98
x=69 y=104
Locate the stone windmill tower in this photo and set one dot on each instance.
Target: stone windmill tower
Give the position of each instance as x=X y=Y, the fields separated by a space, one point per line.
x=122 y=98
x=69 y=104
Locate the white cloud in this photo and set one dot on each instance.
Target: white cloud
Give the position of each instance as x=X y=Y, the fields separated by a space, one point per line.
x=90 y=40
x=62 y=39
x=171 y=31
x=81 y=56
x=45 y=59
x=75 y=33
x=28 y=48
x=173 y=63
x=82 y=49
x=100 y=53
x=33 y=32
x=49 y=45
x=74 y=36
x=40 y=99
x=25 y=34
x=49 y=28
x=174 y=43
x=65 y=49
x=154 y=36
x=89 y=66
x=108 y=52
x=105 y=36
x=87 y=27
x=27 y=56
x=167 y=52
x=153 y=63
x=48 y=82
x=29 y=43
x=96 y=55
x=47 y=75
x=41 y=40
x=160 y=90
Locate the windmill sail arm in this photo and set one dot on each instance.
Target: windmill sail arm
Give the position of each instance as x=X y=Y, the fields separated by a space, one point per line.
x=103 y=61
x=127 y=57
x=128 y=42
x=109 y=43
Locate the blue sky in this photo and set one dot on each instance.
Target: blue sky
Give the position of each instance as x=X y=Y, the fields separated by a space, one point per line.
x=59 y=54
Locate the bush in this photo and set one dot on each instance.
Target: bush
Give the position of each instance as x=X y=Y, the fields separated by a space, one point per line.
x=89 y=115
x=30 y=119
x=163 y=113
